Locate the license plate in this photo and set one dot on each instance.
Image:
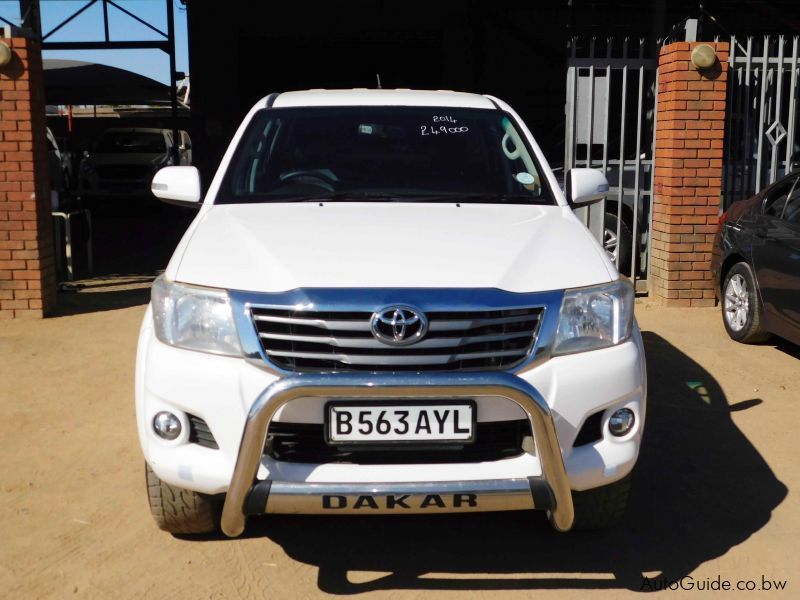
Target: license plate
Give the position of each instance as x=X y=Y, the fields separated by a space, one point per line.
x=365 y=422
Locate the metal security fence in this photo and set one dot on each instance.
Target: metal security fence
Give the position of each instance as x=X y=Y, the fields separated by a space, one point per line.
x=610 y=122
x=762 y=123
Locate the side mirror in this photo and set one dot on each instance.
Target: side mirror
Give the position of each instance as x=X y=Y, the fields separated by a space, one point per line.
x=584 y=186
x=178 y=185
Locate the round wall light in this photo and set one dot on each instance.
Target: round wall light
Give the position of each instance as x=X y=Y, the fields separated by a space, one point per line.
x=703 y=56
x=5 y=54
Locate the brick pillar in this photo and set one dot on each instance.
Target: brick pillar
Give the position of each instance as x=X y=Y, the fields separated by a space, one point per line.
x=27 y=271
x=688 y=174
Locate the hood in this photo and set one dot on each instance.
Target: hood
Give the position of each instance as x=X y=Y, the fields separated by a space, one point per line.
x=123 y=158
x=281 y=246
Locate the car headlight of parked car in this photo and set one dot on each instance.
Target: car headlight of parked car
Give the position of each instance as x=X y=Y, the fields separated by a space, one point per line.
x=595 y=317
x=194 y=318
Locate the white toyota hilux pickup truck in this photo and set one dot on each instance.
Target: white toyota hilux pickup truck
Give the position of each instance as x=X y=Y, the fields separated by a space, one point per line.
x=386 y=306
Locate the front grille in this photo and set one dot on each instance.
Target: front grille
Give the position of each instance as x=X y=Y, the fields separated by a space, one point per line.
x=308 y=340
x=304 y=443
x=123 y=171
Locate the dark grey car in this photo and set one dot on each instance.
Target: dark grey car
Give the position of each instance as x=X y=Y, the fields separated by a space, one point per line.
x=756 y=264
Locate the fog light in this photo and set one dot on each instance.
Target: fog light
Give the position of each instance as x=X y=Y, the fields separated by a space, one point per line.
x=621 y=422
x=167 y=425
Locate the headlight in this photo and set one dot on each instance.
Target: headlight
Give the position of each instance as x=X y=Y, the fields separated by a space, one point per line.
x=594 y=317
x=163 y=161
x=194 y=318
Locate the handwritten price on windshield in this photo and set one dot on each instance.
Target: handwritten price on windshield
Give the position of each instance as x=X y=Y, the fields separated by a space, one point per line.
x=436 y=130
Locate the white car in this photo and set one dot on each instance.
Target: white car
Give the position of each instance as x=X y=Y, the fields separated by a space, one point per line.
x=386 y=305
x=125 y=159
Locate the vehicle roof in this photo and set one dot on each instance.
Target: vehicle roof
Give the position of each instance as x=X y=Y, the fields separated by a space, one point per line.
x=372 y=97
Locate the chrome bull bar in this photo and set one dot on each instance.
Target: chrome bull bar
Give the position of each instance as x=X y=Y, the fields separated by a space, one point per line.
x=247 y=495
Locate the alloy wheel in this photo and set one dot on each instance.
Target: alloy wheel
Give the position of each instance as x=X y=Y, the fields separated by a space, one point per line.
x=736 y=303
x=610 y=244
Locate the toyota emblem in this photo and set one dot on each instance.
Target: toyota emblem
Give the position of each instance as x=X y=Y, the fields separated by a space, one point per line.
x=399 y=325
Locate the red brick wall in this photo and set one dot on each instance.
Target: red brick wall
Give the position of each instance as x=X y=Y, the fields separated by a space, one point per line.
x=688 y=174
x=27 y=272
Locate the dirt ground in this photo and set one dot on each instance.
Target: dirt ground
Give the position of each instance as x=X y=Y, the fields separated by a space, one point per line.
x=714 y=494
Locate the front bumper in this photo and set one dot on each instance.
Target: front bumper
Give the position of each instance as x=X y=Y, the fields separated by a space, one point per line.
x=247 y=495
x=232 y=396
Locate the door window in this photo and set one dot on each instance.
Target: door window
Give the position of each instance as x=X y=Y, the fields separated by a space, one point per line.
x=775 y=198
x=791 y=212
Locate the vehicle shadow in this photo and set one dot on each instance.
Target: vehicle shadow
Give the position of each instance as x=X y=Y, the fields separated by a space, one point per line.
x=699 y=489
x=787 y=347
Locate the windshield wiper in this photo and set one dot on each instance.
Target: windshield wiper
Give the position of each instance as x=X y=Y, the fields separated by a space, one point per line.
x=358 y=196
x=479 y=198
x=326 y=197
x=444 y=197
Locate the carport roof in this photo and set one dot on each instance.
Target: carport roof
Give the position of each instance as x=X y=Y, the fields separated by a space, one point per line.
x=77 y=82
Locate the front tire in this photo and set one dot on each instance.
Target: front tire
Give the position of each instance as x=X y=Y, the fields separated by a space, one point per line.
x=602 y=507
x=741 y=306
x=615 y=245
x=181 y=511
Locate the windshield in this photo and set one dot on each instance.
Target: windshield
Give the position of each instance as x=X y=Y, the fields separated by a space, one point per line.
x=392 y=153
x=132 y=142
